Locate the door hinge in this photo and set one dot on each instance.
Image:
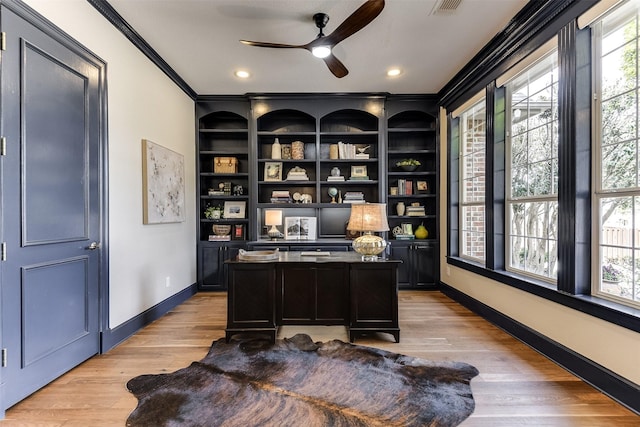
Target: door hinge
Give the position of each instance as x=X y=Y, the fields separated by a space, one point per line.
x=3 y=40
x=3 y=146
x=3 y=251
x=4 y=357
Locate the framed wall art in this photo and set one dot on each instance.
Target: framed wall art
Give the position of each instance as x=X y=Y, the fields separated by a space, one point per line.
x=163 y=184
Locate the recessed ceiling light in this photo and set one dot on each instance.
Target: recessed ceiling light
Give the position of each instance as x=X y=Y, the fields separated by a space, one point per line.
x=393 y=72
x=242 y=74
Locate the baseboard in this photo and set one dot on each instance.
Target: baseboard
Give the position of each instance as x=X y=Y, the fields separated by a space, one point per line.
x=113 y=337
x=613 y=385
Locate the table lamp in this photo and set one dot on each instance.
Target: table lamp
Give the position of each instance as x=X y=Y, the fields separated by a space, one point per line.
x=274 y=219
x=369 y=218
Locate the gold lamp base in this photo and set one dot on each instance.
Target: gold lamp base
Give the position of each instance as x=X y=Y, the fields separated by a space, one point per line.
x=369 y=246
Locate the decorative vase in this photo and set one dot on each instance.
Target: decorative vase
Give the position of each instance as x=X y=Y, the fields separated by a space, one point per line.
x=400 y=208
x=297 y=150
x=276 y=151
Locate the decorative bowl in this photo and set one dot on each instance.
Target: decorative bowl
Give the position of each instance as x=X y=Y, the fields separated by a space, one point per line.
x=221 y=229
x=409 y=168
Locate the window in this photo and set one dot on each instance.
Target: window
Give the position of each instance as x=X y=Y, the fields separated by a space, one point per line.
x=616 y=199
x=532 y=170
x=562 y=191
x=472 y=182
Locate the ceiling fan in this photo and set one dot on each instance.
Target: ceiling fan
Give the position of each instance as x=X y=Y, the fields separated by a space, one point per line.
x=321 y=47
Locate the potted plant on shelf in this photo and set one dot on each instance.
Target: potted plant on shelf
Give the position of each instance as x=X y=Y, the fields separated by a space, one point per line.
x=611 y=274
x=213 y=212
x=408 y=165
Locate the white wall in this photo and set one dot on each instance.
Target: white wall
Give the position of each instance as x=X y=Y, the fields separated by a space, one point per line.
x=611 y=346
x=142 y=103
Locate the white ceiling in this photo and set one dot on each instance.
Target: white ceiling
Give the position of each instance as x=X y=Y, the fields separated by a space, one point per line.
x=199 y=39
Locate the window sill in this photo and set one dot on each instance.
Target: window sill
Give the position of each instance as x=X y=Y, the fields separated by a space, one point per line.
x=609 y=311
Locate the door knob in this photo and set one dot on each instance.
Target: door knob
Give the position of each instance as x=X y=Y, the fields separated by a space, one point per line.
x=93 y=246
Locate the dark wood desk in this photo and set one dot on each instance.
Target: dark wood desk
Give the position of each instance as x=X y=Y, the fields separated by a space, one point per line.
x=296 y=289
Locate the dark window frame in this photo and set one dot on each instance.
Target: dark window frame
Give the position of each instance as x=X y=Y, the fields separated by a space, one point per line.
x=574 y=192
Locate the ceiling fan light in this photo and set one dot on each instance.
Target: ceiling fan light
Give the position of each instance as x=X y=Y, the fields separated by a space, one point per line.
x=321 y=51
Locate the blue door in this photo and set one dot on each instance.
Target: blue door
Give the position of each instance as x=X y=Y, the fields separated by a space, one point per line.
x=51 y=213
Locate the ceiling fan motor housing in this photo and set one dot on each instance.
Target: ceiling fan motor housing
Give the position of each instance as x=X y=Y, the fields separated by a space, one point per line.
x=321 y=20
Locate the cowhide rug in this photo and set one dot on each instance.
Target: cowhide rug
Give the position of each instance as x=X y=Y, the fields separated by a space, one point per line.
x=296 y=382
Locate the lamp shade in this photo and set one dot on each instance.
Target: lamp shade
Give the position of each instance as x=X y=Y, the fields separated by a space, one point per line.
x=273 y=217
x=368 y=217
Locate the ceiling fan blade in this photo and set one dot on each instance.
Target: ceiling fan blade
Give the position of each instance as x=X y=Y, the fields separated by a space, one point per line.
x=356 y=21
x=336 y=66
x=274 y=45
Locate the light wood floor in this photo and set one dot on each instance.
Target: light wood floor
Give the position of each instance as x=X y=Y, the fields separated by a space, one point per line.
x=516 y=385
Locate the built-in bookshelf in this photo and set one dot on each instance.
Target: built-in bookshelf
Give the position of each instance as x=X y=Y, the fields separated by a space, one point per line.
x=310 y=157
x=412 y=173
x=324 y=163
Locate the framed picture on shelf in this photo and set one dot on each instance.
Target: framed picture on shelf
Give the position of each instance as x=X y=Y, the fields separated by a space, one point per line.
x=234 y=209
x=273 y=171
x=299 y=228
x=359 y=171
x=407 y=228
x=238 y=232
x=422 y=186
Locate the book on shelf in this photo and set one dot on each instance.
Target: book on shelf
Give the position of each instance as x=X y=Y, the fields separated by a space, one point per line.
x=295 y=175
x=415 y=211
x=353 y=197
x=401 y=187
x=335 y=178
x=405 y=187
x=349 y=151
x=405 y=237
x=217 y=238
x=359 y=178
x=346 y=150
x=280 y=196
x=280 y=200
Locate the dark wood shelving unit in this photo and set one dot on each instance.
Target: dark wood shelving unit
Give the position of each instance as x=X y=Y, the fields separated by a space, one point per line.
x=411 y=134
x=222 y=131
x=392 y=127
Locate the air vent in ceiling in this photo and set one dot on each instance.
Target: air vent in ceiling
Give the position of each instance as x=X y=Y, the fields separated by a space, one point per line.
x=445 y=7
